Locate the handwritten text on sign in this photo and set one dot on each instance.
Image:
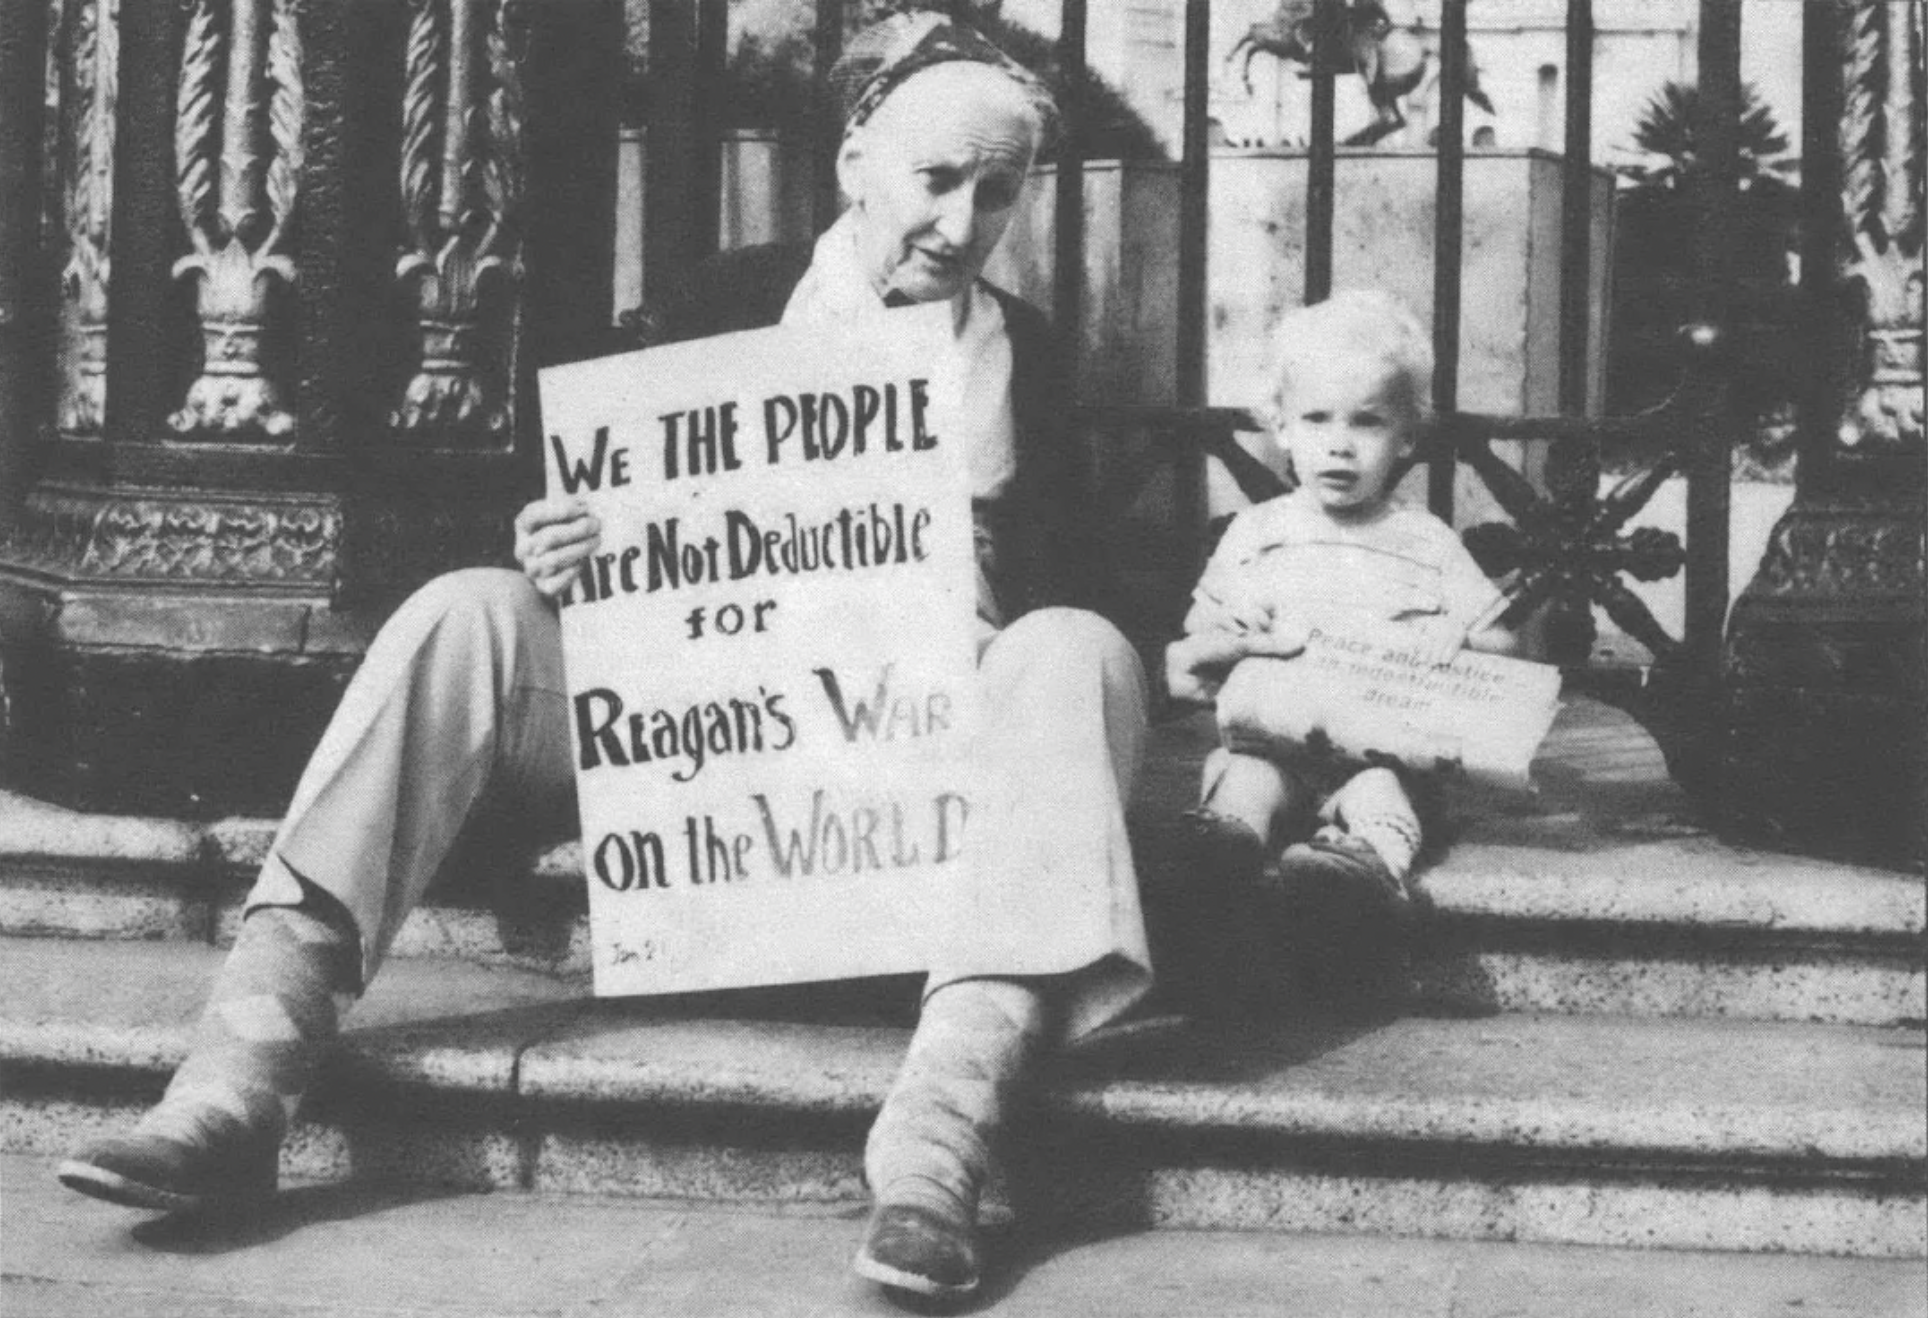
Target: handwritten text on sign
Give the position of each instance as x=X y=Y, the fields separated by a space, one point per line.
x=770 y=656
x=1364 y=690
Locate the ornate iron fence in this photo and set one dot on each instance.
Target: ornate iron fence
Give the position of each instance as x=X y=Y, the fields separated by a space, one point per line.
x=522 y=99
x=1566 y=548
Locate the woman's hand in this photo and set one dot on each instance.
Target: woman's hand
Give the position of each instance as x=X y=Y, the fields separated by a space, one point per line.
x=553 y=538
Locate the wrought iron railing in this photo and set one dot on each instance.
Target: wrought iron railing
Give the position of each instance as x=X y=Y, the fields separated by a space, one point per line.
x=1567 y=547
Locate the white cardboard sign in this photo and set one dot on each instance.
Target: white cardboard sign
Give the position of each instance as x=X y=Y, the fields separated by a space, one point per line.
x=1363 y=690
x=771 y=658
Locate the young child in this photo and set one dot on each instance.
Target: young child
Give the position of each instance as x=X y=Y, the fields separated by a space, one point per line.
x=1328 y=843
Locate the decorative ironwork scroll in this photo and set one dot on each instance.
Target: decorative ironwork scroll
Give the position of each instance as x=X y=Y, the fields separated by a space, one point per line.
x=1882 y=144
x=1569 y=547
x=86 y=55
x=462 y=185
x=238 y=155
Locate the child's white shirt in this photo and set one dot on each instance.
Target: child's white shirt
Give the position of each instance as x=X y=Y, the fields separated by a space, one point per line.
x=1401 y=564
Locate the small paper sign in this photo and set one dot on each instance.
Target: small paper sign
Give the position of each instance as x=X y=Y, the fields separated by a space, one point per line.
x=770 y=658
x=1364 y=691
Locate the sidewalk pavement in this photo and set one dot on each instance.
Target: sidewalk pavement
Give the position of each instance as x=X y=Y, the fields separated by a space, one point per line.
x=342 y=1250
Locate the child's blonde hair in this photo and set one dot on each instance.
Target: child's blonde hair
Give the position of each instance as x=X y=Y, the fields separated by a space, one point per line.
x=1362 y=325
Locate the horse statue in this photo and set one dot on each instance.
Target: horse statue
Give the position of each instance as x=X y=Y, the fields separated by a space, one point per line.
x=1391 y=60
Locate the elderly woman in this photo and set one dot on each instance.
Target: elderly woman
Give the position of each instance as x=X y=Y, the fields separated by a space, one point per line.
x=458 y=717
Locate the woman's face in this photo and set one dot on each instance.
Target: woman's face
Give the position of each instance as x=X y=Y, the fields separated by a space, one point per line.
x=932 y=177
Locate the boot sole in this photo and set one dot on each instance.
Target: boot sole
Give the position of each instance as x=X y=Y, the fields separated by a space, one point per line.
x=100 y=1183
x=897 y=1279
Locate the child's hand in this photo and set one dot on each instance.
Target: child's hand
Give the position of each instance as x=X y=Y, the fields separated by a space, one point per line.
x=1438 y=640
x=1188 y=681
x=1235 y=614
x=1197 y=665
x=1287 y=636
x=1493 y=639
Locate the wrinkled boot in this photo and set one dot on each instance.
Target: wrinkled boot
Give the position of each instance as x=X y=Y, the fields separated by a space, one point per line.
x=924 y=1251
x=929 y=1152
x=215 y=1137
x=182 y=1156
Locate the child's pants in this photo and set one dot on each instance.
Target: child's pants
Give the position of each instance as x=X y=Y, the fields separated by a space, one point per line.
x=1276 y=803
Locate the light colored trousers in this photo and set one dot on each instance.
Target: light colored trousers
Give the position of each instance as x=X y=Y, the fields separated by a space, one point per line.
x=459 y=719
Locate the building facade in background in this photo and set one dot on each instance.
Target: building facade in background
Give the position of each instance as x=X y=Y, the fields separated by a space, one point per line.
x=1519 y=46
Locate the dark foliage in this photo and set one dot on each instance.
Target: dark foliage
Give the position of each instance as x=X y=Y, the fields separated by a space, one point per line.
x=1654 y=271
x=1668 y=127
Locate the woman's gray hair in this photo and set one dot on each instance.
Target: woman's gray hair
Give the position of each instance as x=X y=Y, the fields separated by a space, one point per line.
x=883 y=56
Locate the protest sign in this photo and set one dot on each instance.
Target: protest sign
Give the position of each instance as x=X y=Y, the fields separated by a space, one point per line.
x=1363 y=690
x=770 y=658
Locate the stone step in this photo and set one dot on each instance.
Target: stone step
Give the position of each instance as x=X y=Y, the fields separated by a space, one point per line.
x=354 y=1251
x=1598 y=895
x=1670 y=1133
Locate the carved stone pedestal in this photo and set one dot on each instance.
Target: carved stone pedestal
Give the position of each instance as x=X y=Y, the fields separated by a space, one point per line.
x=170 y=655
x=180 y=651
x=1827 y=674
x=1826 y=665
x=296 y=263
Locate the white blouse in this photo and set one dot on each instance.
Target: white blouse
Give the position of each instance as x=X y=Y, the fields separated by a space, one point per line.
x=970 y=389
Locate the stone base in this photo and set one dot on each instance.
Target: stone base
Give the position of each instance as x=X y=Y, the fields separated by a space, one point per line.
x=149 y=701
x=1827 y=693
x=1818 y=771
x=178 y=651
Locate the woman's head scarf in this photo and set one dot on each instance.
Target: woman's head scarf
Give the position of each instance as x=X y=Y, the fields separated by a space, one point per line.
x=883 y=56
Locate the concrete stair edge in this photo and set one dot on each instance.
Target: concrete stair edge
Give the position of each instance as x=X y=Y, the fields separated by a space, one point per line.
x=1689 y=882
x=1638 y=930
x=463 y=1030
x=1467 y=967
x=461 y=1076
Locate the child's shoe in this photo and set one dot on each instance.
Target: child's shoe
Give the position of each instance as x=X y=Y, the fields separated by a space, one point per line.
x=1347 y=914
x=1344 y=877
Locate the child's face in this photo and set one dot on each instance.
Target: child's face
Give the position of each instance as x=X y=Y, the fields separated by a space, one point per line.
x=1346 y=426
